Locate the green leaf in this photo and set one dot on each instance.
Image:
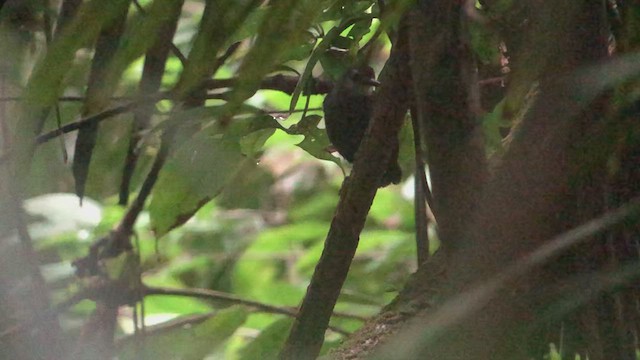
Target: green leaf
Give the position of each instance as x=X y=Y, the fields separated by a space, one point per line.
x=239 y=128
x=284 y=28
x=141 y=35
x=195 y=174
x=360 y=29
x=322 y=47
x=46 y=81
x=315 y=140
x=194 y=341
x=268 y=344
x=202 y=167
x=220 y=20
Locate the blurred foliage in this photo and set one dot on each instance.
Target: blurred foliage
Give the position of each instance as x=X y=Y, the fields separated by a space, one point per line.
x=245 y=199
x=241 y=208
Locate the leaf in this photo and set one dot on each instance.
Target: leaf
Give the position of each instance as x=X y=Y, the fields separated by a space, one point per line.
x=46 y=80
x=267 y=345
x=240 y=128
x=360 y=29
x=284 y=27
x=97 y=96
x=220 y=20
x=194 y=341
x=315 y=143
x=196 y=173
x=45 y=83
x=315 y=140
x=253 y=143
x=203 y=165
x=139 y=37
x=322 y=47
x=249 y=26
x=302 y=51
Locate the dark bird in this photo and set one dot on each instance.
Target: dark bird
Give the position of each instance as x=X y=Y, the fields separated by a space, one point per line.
x=347 y=112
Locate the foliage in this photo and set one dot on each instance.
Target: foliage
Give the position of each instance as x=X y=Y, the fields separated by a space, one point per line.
x=242 y=206
x=206 y=183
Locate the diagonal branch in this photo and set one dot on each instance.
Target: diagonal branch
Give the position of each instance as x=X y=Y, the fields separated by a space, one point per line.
x=358 y=191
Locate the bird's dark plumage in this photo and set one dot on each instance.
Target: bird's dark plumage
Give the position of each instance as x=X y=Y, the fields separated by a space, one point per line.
x=347 y=112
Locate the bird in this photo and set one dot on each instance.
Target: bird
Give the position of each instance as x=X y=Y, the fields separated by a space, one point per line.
x=347 y=113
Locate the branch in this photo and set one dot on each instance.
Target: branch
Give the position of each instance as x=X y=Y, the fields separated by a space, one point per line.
x=88 y=121
x=232 y=299
x=154 y=67
x=281 y=83
x=357 y=193
x=421 y=192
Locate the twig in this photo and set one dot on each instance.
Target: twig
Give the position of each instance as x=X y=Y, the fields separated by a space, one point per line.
x=170 y=325
x=422 y=193
x=494 y=80
x=167 y=326
x=113 y=112
x=154 y=67
x=90 y=120
x=281 y=83
x=222 y=296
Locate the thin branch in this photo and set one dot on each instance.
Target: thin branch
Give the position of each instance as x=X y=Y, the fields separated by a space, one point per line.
x=492 y=81
x=167 y=326
x=90 y=120
x=220 y=296
x=125 y=228
x=281 y=83
x=150 y=82
x=170 y=325
x=422 y=193
x=232 y=299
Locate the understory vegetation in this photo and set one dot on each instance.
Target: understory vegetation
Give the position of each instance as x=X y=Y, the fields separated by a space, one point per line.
x=168 y=190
